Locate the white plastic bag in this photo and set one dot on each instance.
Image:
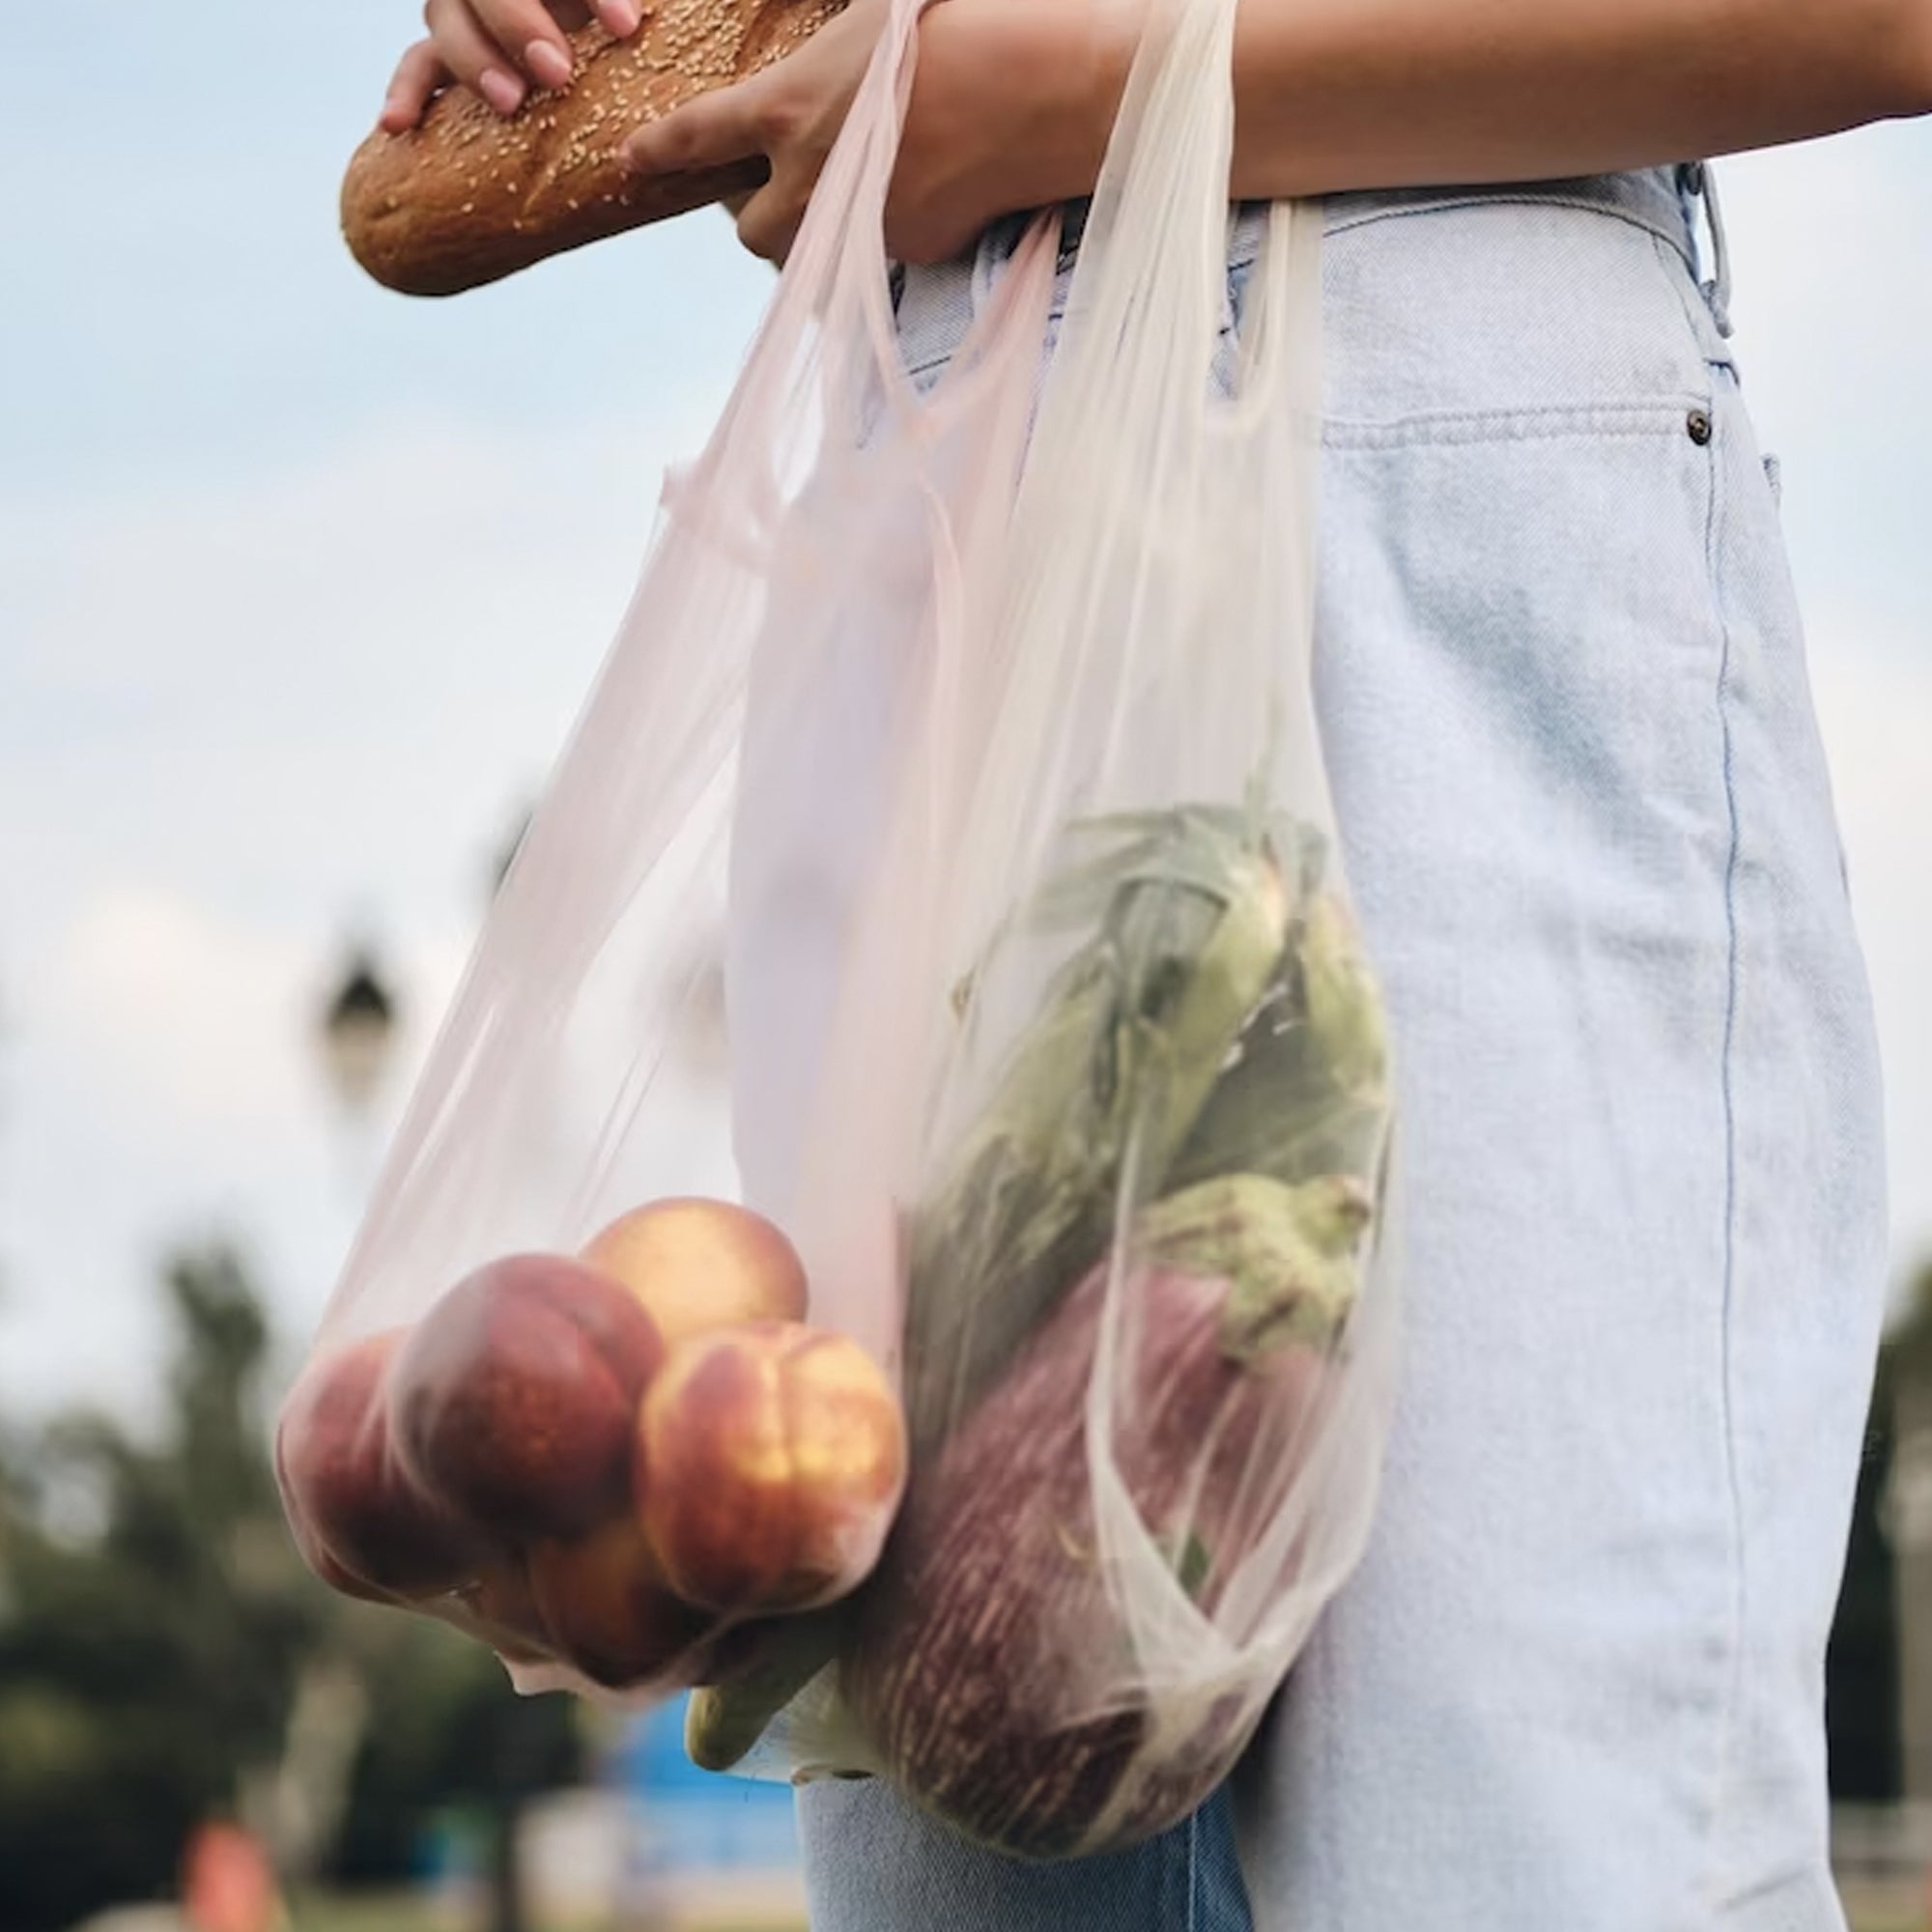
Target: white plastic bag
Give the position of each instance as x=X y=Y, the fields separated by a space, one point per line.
x=1052 y=1054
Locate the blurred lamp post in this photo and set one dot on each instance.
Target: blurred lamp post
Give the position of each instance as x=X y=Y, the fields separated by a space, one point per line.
x=359 y=1031
x=358 y=1038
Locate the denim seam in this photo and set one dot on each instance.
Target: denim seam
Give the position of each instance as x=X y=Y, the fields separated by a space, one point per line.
x=1583 y=204
x=1193 y=1866
x=1727 y=1082
x=1534 y=423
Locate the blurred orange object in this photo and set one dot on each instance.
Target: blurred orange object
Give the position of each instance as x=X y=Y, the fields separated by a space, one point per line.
x=228 y=1884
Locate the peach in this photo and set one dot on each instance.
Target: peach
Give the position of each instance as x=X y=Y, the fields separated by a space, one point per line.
x=516 y=1397
x=610 y=1610
x=770 y=1459
x=360 y=1522
x=698 y=1265
x=344 y=1583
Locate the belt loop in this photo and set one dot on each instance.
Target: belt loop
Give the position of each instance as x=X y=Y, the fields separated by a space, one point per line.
x=1719 y=288
x=1695 y=180
x=989 y=257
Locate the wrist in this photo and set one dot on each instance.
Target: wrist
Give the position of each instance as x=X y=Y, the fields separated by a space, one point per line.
x=1022 y=97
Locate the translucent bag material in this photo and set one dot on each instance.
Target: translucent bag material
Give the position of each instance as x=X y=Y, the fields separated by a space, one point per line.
x=997 y=1410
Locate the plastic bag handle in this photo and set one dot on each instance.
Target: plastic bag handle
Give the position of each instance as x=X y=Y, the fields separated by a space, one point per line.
x=835 y=278
x=843 y=240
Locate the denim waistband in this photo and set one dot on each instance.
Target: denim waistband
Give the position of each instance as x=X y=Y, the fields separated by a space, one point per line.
x=1663 y=200
x=1659 y=199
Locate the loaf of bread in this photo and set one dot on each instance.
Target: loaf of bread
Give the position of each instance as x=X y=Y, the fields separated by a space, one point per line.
x=468 y=197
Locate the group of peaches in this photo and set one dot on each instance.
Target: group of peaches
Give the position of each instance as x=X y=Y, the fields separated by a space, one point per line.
x=604 y=1461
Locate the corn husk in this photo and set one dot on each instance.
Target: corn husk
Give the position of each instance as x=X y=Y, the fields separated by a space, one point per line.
x=1194 y=912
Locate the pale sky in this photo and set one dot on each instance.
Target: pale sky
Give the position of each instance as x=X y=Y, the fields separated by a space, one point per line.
x=300 y=584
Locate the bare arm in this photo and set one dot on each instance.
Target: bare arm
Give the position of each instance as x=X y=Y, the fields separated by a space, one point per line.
x=1013 y=98
x=1336 y=93
x=1349 y=94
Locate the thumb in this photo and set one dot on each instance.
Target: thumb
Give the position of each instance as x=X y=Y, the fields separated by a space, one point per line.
x=769 y=220
x=710 y=132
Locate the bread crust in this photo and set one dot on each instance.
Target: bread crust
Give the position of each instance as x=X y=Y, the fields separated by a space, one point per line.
x=468 y=197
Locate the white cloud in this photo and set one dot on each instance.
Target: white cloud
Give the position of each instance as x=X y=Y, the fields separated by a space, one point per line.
x=206 y=321
x=1874 y=699
x=237 y=721
x=1833 y=307
x=307 y=691
x=1834 y=282
x=180 y=1010
x=167 y=1085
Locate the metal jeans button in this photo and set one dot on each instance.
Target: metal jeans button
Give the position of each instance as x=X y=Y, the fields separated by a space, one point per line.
x=1697 y=426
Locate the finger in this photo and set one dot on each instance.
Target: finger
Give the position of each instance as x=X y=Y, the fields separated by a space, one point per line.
x=738 y=200
x=619 y=18
x=472 y=57
x=525 y=31
x=711 y=132
x=768 y=224
x=419 y=73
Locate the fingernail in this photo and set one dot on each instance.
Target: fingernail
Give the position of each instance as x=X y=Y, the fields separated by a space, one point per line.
x=622 y=17
x=549 y=63
x=502 y=89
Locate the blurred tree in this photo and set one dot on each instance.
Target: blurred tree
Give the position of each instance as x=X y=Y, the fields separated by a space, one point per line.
x=1906 y=1518
x=452 y=1731
x=150 y=1630
x=1862 y=1684
x=165 y=1657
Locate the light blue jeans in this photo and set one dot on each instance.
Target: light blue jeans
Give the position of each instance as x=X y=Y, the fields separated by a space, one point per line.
x=1578 y=1683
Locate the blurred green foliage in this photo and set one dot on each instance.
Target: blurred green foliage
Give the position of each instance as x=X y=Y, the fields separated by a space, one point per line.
x=157 y=1631
x=160 y=1642
x=1861 y=1689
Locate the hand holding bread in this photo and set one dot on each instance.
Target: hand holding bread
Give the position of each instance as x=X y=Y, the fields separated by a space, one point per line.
x=464 y=185
x=499 y=49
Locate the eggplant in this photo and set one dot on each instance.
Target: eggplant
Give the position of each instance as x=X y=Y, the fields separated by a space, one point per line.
x=1187 y=914
x=989 y=1669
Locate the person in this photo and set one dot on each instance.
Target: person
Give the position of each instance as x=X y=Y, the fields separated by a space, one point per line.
x=228 y=1884
x=1578 y=1680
